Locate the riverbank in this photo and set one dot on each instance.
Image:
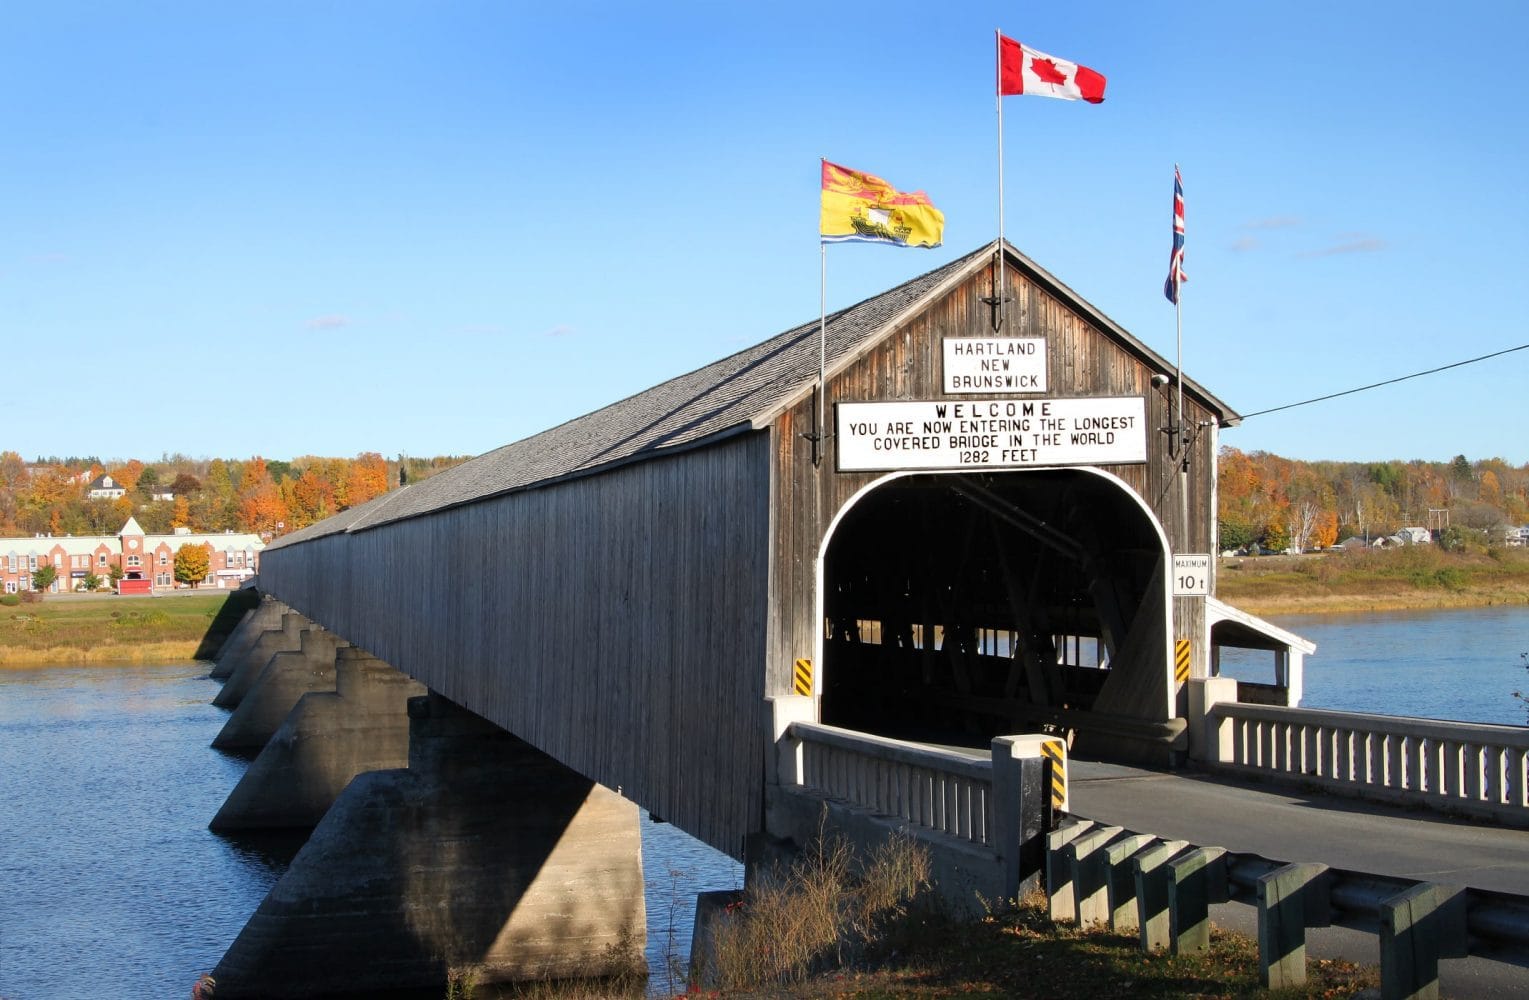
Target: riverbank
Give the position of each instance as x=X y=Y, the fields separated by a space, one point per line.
x=66 y=629
x=1420 y=577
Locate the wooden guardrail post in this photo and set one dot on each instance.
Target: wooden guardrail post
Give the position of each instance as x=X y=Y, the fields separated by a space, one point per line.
x=1192 y=884
x=1150 y=871
x=1059 y=888
x=1290 y=899
x=1120 y=880
x=1090 y=877
x=1418 y=926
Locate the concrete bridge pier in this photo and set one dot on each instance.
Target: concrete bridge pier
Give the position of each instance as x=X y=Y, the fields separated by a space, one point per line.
x=285 y=638
x=484 y=856
x=264 y=615
x=324 y=742
x=286 y=678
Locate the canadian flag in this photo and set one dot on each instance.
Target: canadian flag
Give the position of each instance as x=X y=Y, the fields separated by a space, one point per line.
x=1023 y=70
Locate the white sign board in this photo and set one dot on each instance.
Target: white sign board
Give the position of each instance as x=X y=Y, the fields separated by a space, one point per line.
x=995 y=364
x=1191 y=575
x=990 y=433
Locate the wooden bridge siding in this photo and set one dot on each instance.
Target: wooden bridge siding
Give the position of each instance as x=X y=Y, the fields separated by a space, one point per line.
x=617 y=622
x=1081 y=361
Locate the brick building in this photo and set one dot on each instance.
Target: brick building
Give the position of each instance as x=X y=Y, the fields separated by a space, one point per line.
x=233 y=558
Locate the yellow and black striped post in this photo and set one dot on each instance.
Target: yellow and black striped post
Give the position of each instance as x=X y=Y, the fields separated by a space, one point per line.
x=1055 y=752
x=1180 y=661
x=801 y=677
x=1052 y=750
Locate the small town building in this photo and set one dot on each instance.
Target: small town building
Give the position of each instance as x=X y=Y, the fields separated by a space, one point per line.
x=233 y=558
x=104 y=487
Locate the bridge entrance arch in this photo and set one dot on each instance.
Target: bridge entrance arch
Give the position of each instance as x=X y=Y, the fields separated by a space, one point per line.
x=957 y=607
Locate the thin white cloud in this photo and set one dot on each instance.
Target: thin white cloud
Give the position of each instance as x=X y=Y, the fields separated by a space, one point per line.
x=328 y=322
x=1245 y=243
x=1354 y=244
x=1273 y=222
x=561 y=330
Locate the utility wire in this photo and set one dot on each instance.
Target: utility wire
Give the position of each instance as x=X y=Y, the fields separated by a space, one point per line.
x=1389 y=381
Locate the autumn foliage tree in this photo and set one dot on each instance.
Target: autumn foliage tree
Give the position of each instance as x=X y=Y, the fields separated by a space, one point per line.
x=192 y=563
x=263 y=510
x=367 y=479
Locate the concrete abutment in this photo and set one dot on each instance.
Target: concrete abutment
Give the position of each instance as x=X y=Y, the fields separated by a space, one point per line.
x=484 y=857
x=285 y=638
x=286 y=678
x=326 y=740
x=263 y=616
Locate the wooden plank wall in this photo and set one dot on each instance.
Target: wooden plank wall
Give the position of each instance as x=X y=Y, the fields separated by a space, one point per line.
x=616 y=622
x=1081 y=361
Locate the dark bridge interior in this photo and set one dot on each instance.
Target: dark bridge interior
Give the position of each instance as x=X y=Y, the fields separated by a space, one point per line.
x=959 y=608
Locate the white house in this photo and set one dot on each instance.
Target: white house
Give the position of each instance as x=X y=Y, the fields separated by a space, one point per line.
x=104 y=487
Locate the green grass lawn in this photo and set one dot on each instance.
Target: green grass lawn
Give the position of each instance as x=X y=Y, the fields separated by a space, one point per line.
x=69 y=629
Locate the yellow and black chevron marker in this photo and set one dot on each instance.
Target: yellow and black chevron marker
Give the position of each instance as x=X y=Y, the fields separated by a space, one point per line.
x=1055 y=751
x=1180 y=660
x=801 y=679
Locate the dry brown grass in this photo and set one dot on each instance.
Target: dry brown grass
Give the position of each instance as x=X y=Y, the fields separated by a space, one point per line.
x=827 y=909
x=1418 y=576
x=12 y=658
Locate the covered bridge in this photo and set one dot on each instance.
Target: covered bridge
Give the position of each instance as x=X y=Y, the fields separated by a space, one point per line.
x=979 y=542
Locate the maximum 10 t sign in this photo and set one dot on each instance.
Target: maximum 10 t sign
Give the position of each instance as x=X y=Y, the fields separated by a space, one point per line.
x=990 y=433
x=1191 y=574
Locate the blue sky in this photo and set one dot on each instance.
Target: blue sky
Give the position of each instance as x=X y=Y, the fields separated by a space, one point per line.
x=430 y=228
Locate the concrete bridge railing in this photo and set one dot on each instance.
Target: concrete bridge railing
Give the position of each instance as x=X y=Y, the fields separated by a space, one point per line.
x=1472 y=769
x=982 y=818
x=938 y=790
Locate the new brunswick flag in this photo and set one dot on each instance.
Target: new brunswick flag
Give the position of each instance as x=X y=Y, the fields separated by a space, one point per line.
x=859 y=207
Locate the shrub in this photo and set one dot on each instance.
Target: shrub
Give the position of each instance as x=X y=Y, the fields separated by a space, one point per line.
x=10 y=600
x=139 y=619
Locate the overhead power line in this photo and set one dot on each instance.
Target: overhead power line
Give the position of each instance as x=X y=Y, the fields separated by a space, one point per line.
x=1389 y=381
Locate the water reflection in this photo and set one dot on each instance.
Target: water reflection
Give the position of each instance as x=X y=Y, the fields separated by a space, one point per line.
x=264 y=856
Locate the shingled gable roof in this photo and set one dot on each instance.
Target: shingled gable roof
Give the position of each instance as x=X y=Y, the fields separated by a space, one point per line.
x=743 y=392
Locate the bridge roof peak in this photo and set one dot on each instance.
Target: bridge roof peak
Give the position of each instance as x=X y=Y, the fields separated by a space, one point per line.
x=742 y=392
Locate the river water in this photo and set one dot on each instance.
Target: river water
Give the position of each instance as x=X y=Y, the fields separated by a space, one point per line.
x=1462 y=665
x=114 y=888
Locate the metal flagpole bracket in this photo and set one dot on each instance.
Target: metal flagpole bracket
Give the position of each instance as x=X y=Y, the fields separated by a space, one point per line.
x=995 y=303
x=819 y=440
x=997 y=299
x=820 y=434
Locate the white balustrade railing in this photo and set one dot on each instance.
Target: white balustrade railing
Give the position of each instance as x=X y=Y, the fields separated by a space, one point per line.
x=939 y=790
x=1470 y=768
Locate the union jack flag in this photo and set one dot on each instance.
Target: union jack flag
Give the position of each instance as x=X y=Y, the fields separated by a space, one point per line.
x=1176 y=275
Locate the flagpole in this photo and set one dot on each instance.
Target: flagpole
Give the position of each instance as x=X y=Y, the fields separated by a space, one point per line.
x=998 y=96
x=1180 y=431
x=1178 y=322
x=821 y=429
